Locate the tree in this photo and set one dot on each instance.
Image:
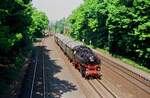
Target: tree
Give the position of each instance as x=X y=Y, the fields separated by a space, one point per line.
x=88 y=22
x=19 y=21
x=121 y=26
x=39 y=23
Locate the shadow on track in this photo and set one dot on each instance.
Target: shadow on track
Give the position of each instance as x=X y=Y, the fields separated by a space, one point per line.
x=54 y=86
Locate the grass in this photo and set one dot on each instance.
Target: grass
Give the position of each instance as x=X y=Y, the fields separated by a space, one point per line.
x=134 y=64
x=123 y=59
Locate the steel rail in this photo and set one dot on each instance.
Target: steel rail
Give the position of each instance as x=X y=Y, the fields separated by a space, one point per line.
x=127 y=79
x=117 y=67
x=115 y=96
x=43 y=77
x=95 y=89
x=123 y=69
x=35 y=69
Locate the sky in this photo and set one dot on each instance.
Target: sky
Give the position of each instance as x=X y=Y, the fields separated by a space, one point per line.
x=56 y=9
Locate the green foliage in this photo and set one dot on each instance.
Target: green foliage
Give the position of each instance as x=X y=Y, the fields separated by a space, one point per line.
x=19 y=22
x=4 y=87
x=13 y=72
x=59 y=26
x=88 y=23
x=129 y=30
x=121 y=26
x=39 y=23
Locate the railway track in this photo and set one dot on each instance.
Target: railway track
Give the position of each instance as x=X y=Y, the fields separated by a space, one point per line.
x=101 y=89
x=110 y=90
x=38 y=80
x=95 y=89
x=133 y=78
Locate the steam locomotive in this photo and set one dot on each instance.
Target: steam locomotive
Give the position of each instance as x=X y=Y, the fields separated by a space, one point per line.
x=82 y=57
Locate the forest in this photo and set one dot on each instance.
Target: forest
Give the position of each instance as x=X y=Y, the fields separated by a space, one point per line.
x=20 y=23
x=122 y=27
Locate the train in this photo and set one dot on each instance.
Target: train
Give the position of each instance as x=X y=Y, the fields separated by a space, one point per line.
x=81 y=57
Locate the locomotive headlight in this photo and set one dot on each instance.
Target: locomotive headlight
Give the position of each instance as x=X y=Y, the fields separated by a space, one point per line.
x=98 y=69
x=87 y=73
x=87 y=69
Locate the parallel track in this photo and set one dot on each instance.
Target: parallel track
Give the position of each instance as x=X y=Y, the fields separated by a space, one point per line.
x=38 y=84
x=96 y=90
x=102 y=90
x=44 y=78
x=122 y=72
x=33 y=80
x=111 y=92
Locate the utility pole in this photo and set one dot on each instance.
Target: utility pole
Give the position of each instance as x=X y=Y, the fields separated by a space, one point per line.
x=108 y=41
x=90 y=42
x=55 y=28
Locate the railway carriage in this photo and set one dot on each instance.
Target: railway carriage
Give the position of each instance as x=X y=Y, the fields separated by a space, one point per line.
x=69 y=47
